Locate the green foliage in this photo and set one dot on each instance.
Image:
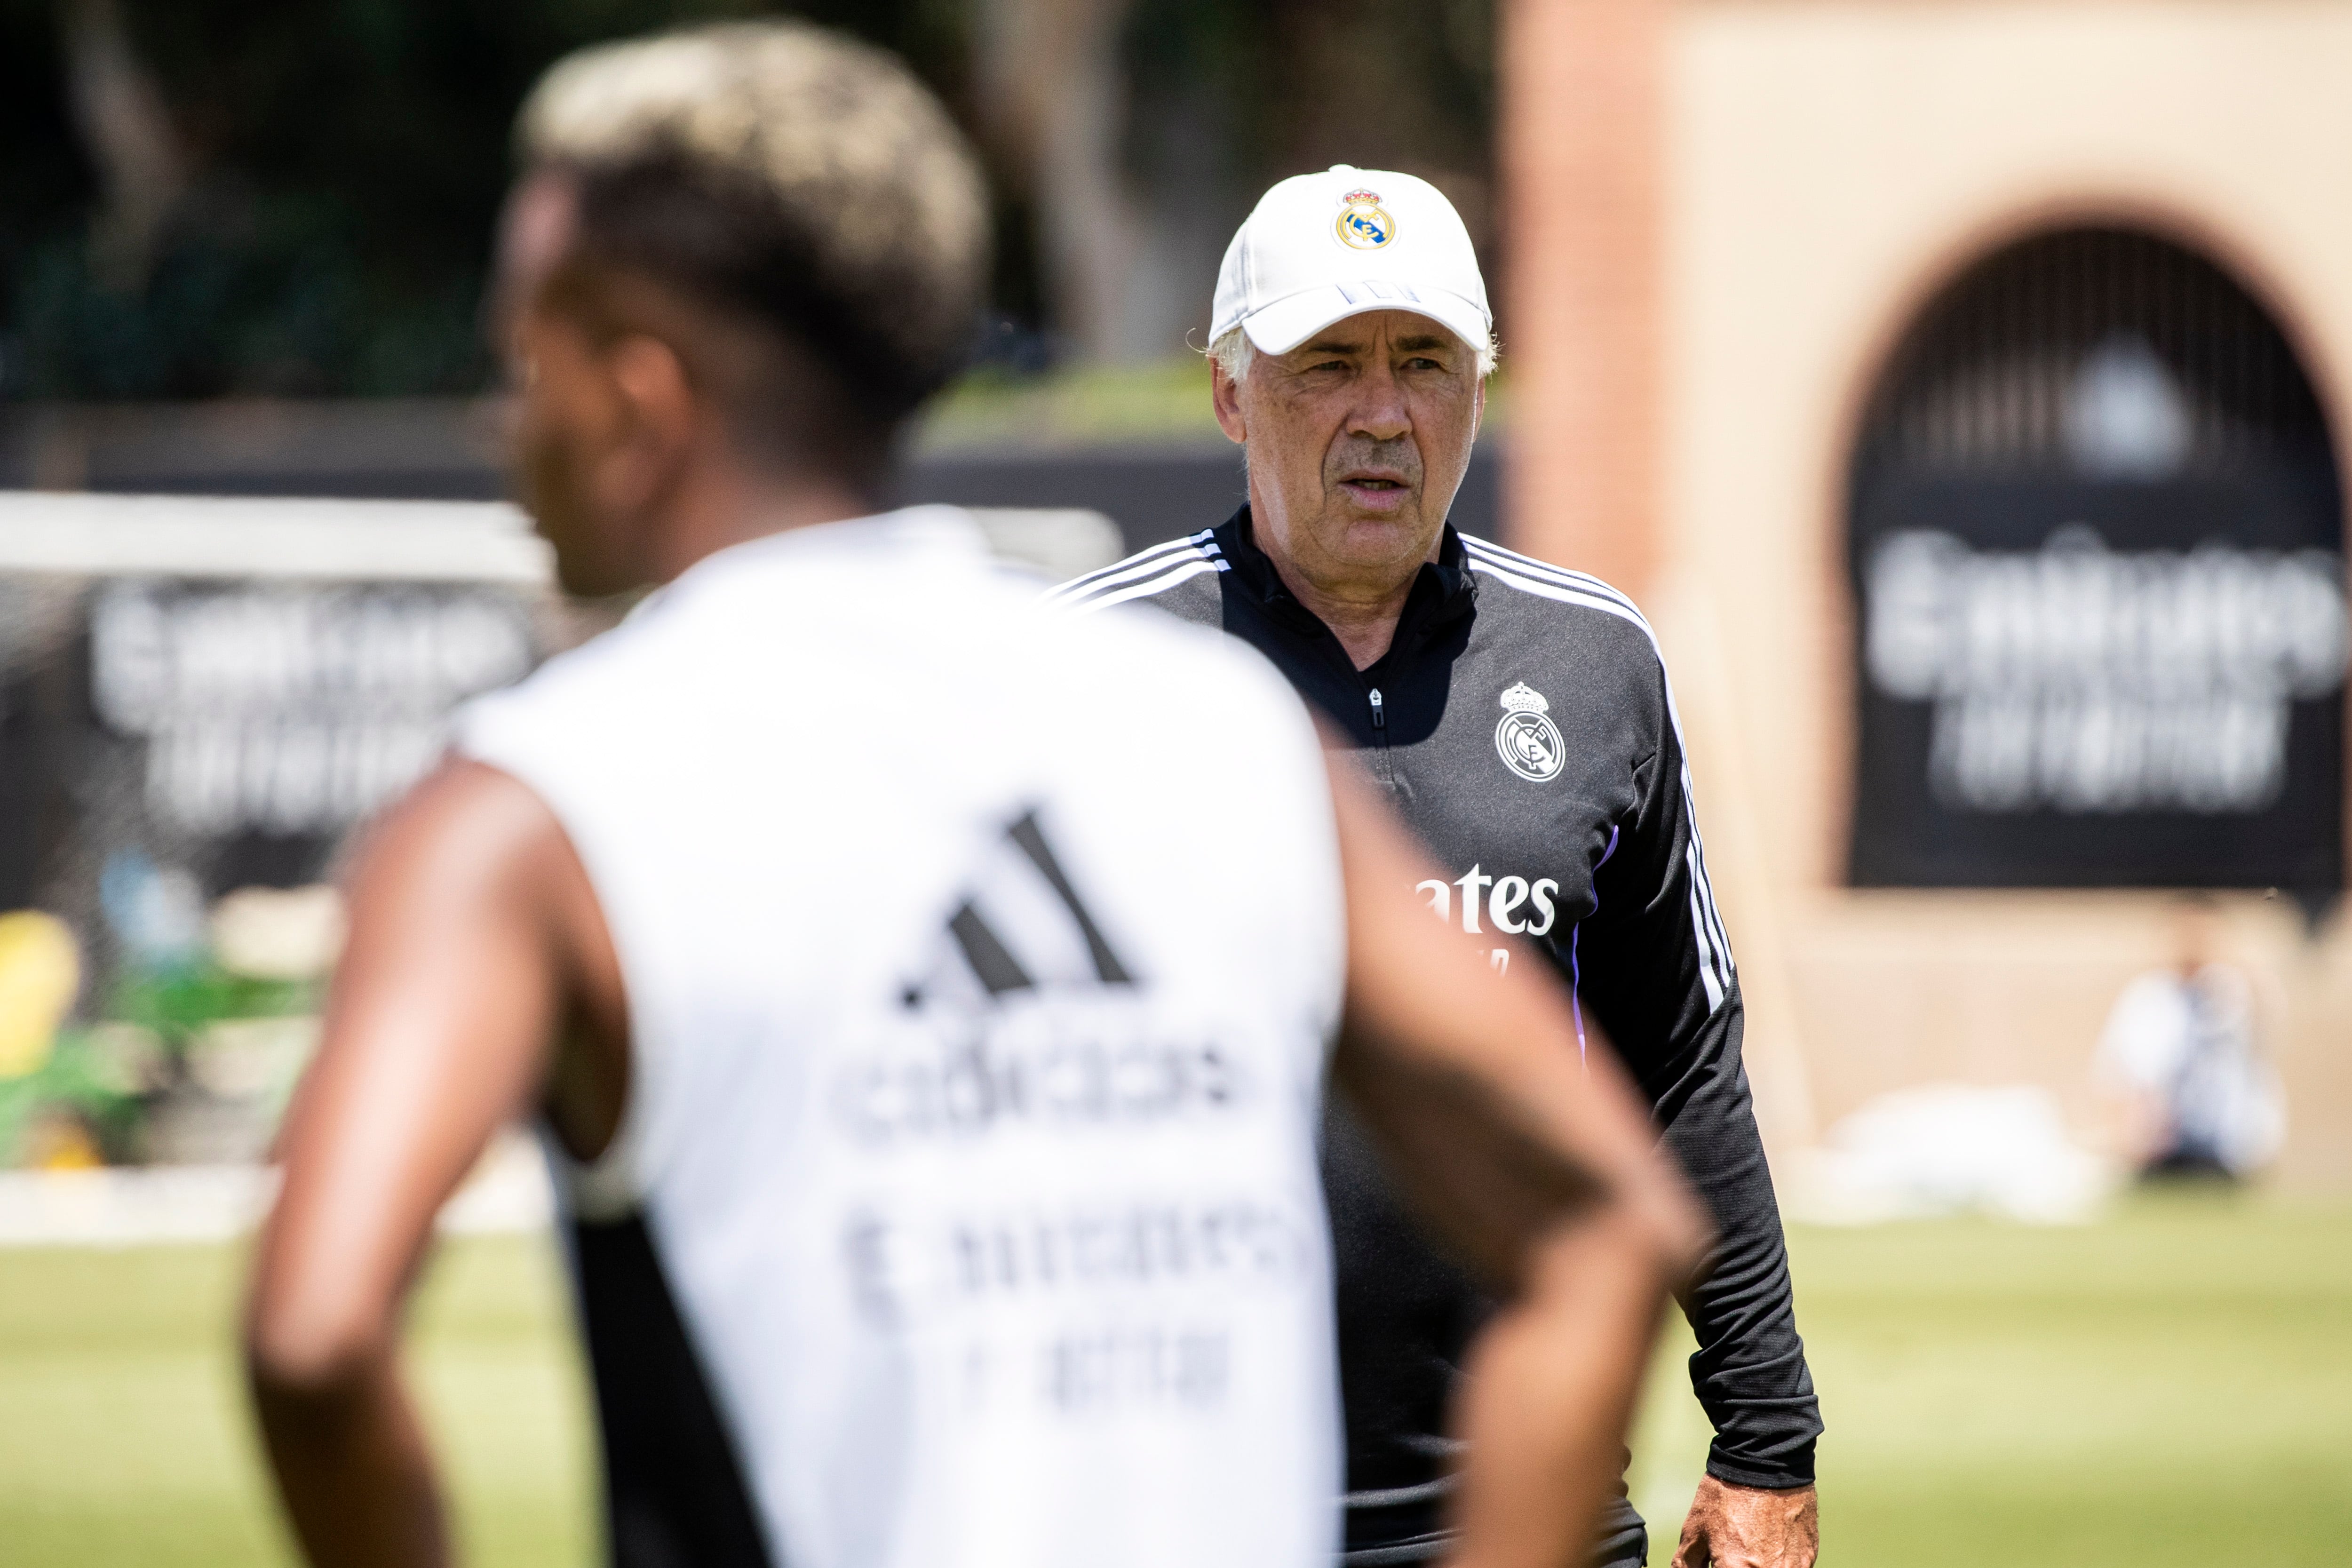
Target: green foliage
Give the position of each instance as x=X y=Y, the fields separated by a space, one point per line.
x=991 y=410
x=80 y=1079
x=176 y=1004
x=348 y=160
x=90 y=1075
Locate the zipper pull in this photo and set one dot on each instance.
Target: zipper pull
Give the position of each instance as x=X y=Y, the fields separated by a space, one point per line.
x=1380 y=717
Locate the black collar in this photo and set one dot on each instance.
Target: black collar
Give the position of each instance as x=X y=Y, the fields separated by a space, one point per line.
x=1443 y=591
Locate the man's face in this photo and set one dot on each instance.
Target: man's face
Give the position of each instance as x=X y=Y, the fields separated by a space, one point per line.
x=1358 y=439
x=566 y=414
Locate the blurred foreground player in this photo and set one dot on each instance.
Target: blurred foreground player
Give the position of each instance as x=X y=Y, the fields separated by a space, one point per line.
x=1518 y=717
x=939 y=1080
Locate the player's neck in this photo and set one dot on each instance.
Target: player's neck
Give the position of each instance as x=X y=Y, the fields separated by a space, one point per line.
x=718 y=505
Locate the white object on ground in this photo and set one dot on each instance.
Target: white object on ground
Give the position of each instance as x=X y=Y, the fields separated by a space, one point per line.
x=1947 y=1149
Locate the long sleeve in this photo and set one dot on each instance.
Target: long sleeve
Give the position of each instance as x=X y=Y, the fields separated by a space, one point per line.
x=1654 y=966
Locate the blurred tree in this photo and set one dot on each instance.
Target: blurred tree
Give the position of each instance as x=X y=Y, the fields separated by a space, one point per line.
x=124 y=124
x=1392 y=84
x=295 y=196
x=1053 y=101
x=288 y=196
x=1137 y=133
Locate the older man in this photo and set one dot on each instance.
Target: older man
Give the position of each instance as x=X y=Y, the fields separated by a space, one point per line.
x=1519 y=716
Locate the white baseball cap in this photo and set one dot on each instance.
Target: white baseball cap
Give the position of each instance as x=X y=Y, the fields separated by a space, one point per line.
x=1320 y=248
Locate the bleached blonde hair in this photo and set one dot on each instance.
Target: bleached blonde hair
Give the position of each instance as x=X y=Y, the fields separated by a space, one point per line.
x=781 y=169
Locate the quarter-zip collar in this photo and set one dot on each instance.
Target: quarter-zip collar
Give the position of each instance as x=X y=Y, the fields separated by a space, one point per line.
x=1443 y=591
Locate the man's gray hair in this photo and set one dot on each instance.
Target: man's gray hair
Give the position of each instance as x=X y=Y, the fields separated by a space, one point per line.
x=1233 y=352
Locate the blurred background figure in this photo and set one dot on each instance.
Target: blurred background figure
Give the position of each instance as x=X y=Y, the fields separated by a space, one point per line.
x=2180 y=1061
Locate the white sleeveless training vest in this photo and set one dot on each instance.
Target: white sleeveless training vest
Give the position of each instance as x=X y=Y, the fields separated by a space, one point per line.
x=980 y=965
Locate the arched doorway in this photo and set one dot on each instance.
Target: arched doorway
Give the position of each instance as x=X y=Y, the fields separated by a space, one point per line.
x=2095 y=539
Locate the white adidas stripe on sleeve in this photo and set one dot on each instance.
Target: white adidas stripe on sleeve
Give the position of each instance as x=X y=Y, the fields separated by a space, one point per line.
x=1716 y=969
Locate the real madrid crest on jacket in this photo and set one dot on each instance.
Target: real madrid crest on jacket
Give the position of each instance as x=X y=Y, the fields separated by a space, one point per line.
x=1523 y=722
x=1530 y=743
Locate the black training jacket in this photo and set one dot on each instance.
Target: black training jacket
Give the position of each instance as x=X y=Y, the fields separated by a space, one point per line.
x=1522 y=723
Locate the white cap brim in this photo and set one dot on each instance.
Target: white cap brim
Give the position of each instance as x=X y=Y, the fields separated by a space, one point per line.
x=1282 y=325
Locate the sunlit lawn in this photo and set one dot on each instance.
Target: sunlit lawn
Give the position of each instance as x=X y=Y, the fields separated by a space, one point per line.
x=123 y=1432
x=2171 y=1388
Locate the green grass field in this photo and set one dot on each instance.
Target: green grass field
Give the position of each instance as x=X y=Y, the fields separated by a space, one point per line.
x=2172 y=1387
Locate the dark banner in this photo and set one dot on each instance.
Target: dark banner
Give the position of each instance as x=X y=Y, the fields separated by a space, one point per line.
x=2078 y=682
x=182 y=763
x=227 y=732
x=202 y=704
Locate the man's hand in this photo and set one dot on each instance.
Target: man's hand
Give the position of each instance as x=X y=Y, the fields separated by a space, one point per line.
x=1747 y=1527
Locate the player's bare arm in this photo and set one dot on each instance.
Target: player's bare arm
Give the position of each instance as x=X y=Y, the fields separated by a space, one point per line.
x=1544 y=1175
x=476 y=944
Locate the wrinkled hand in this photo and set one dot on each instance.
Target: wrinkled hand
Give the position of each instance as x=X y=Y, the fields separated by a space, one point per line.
x=1747 y=1527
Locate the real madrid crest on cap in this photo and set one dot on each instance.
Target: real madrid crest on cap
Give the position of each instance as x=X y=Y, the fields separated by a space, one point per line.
x=1528 y=741
x=1320 y=248
x=1363 y=223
